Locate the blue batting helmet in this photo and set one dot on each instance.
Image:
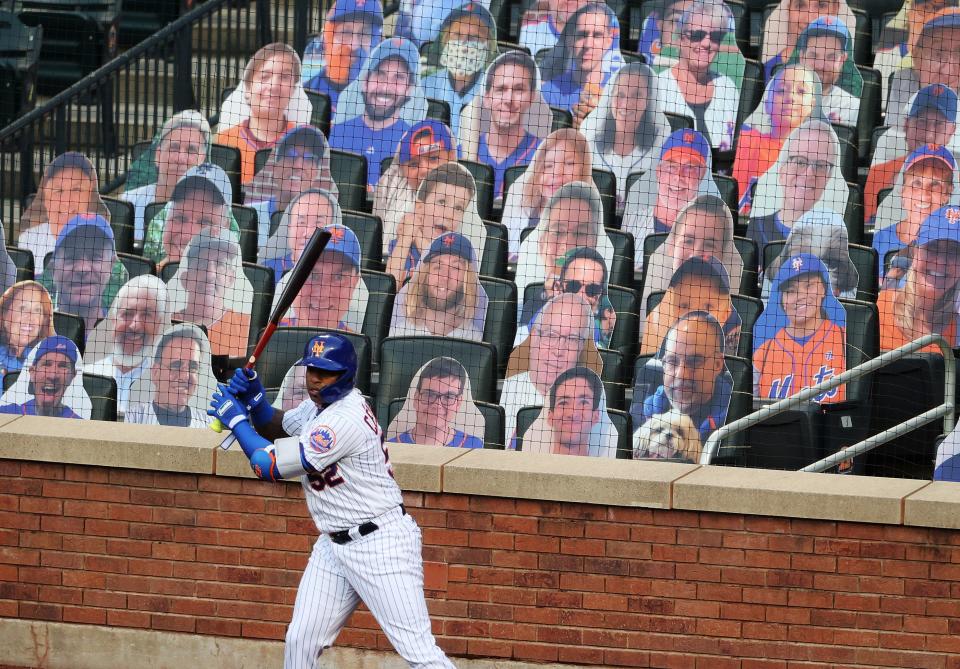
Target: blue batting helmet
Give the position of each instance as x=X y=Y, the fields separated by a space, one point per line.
x=333 y=353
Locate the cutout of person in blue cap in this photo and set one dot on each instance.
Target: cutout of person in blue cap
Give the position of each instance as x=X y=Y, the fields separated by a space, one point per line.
x=697 y=285
x=826 y=48
x=682 y=173
x=822 y=233
x=183 y=142
x=800 y=338
x=468 y=44
x=84 y=273
x=688 y=375
x=563 y=158
x=428 y=144
x=786 y=23
x=439 y=409
x=446 y=202
x=932 y=119
x=927 y=182
x=299 y=162
x=178 y=383
x=791 y=97
x=504 y=126
x=444 y=297
x=695 y=86
x=200 y=201
x=575 y=420
x=26 y=317
x=926 y=302
x=50 y=383
x=211 y=289
x=584 y=272
x=543 y=21
x=805 y=176
x=586 y=56
x=69 y=187
x=627 y=126
x=268 y=102
x=933 y=56
x=308 y=211
x=334 y=297
x=381 y=105
x=333 y=60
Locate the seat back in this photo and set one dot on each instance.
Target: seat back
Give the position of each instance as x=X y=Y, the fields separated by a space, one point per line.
x=137 y=265
x=261 y=279
x=382 y=289
x=349 y=171
x=870 y=110
x=483 y=176
x=620 y=419
x=70 y=326
x=494 y=261
x=500 y=327
x=606 y=183
x=679 y=121
x=853 y=214
x=438 y=110
x=402 y=357
x=286 y=348
x=228 y=158
x=614 y=377
x=493 y=420
x=23 y=259
x=621 y=273
x=561 y=119
x=121 y=221
x=248 y=222
x=320 y=117
x=626 y=333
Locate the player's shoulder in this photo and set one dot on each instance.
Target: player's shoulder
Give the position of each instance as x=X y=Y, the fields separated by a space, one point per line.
x=344 y=413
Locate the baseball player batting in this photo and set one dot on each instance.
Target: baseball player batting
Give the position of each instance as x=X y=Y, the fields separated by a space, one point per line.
x=369 y=548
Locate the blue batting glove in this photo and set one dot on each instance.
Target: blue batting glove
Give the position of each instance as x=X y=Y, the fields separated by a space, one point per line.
x=226 y=407
x=245 y=385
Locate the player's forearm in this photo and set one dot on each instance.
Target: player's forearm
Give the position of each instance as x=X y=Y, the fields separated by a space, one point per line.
x=259 y=450
x=273 y=428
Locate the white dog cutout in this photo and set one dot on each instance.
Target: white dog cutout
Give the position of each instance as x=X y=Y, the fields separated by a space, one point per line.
x=671 y=435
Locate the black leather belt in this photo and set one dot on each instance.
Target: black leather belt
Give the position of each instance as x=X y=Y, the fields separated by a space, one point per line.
x=343 y=536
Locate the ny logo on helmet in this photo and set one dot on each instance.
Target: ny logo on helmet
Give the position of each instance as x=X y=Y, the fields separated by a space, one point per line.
x=318 y=347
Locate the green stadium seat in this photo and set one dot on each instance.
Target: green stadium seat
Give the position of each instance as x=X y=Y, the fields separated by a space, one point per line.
x=500 y=326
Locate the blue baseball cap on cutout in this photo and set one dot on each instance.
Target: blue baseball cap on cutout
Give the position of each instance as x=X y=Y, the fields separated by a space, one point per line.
x=948 y=17
x=87 y=226
x=937 y=97
x=471 y=9
x=825 y=25
x=931 y=152
x=453 y=243
x=57 y=344
x=944 y=223
x=686 y=142
x=395 y=47
x=343 y=241
x=423 y=137
x=363 y=10
x=800 y=264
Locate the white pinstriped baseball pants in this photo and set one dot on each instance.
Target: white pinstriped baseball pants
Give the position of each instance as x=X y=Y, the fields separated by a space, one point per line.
x=384 y=570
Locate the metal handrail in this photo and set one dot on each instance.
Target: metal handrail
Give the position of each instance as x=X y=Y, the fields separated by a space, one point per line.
x=944 y=410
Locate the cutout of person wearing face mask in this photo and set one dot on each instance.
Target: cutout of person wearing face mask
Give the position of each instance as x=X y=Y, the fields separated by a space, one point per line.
x=444 y=297
x=791 y=97
x=926 y=183
x=468 y=44
x=800 y=338
x=446 y=202
x=427 y=145
x=586 y=56
x=439 y=409
x=932 y=119
x=269 y=101
x=926 y=301
x=182 y=143
x=380 y=106
x=332 y=61
x=50 y=383
x=575 y=420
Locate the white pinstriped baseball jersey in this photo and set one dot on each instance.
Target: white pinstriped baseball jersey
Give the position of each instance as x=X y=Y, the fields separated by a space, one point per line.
x=343 y=444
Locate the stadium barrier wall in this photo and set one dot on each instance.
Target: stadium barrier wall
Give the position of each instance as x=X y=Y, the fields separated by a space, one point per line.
x=135 y=545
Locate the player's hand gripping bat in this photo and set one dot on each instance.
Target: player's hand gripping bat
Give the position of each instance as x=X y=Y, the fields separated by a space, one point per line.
x=297 y=277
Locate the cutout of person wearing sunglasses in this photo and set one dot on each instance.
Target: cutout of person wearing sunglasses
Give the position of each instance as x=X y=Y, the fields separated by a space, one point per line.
x=584 y=272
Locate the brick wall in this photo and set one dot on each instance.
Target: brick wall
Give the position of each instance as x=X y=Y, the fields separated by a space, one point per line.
x=528 y=580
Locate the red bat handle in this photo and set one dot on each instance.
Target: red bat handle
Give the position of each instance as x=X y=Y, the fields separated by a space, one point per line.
x=261 y=344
